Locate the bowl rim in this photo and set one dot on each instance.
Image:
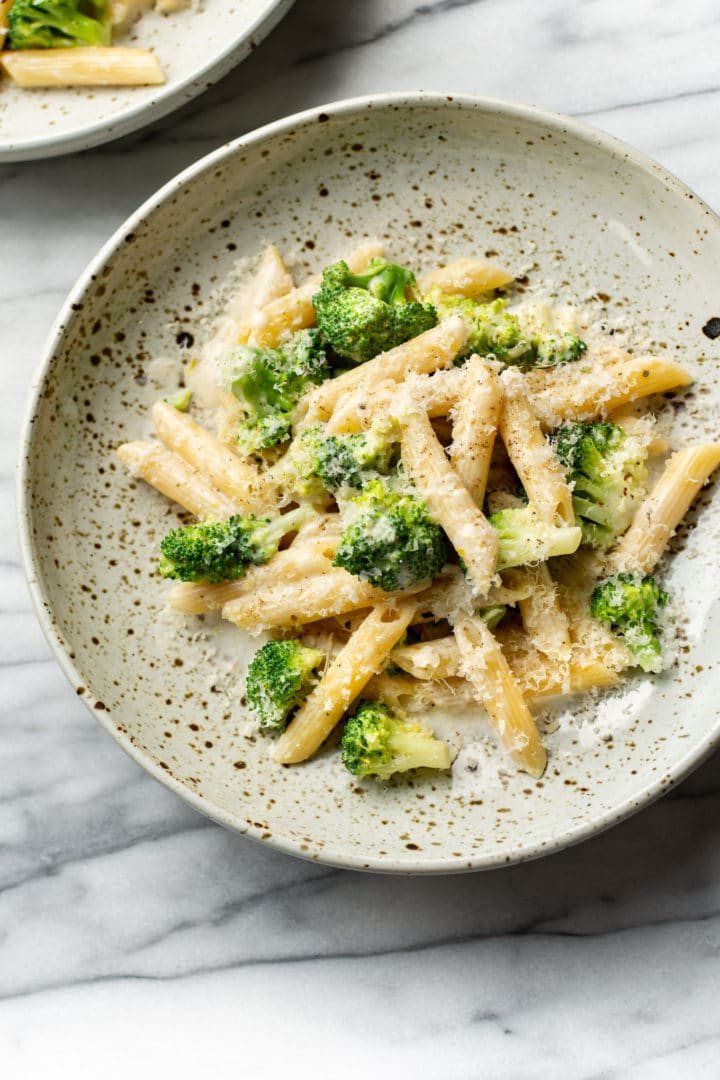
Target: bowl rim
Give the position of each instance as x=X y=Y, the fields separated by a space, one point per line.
x=332 y=855
x=167 y=98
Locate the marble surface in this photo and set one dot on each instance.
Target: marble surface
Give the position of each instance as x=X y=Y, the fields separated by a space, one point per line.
x=138 y=939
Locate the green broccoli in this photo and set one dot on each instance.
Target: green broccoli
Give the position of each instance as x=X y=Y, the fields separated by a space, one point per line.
x=215 y=551
x=607 y=473
x=181 y=400
x=278 y=678
x=492 y=331
x=630 y=604
x=390 y=539
x=268 y=383
x=526 y=538
x=377 y=742
x=362 y=315
x=316 y=464
x=557 y=349
x=58 y=24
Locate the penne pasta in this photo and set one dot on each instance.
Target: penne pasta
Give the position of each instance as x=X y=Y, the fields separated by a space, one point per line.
x=360 y=659
x=5 y=6
x=534 y=459
x=537 y=677
x=273 y=279
x=240 y=481
x=438 y=659
x=448 y=500
x=436 y=348
x=173 y=477
x=657 y=518
x=439 y=393
x=290 y=604
x=600 y=387
x=84 y=66
x=466 y=277
x=123 y=13
x=475 y=422
x=542 y=615
x=484 y=665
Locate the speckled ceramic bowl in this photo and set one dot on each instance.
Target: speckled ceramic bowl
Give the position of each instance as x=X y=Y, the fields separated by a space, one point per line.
x=436 y=176
x=196 y=47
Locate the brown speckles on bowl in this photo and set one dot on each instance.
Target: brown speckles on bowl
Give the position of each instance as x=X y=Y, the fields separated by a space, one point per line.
x=453 y=177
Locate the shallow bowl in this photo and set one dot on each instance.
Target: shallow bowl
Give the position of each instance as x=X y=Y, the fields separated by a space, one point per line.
x=436 y=177
x=196 y=47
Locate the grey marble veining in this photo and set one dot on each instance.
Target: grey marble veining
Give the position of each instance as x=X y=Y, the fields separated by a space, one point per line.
x=139 y=939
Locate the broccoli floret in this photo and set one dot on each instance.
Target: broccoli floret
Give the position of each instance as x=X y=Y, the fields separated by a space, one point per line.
x=362 y=315
x=353 y=460
x=391 y=540
x=557 y=349
x=279 y=676
x=58 y=24
x=492 y=331
x=377 y=742
x=608 y=474
x=180 y=401
x=630 y=604
x=268 y=383
x=316 y=464
x=215 y=551
x=525 y=538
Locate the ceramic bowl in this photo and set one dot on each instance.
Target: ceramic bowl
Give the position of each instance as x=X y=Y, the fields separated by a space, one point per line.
x=436 y=177
x=196 y=47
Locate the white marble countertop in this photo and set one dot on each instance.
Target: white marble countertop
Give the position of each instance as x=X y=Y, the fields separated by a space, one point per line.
x=138 y=939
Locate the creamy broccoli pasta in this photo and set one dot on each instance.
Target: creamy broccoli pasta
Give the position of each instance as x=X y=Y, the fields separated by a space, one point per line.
x=419 y=489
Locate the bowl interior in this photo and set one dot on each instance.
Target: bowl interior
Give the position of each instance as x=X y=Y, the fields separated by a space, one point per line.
x=195 y=47
x=434 y=178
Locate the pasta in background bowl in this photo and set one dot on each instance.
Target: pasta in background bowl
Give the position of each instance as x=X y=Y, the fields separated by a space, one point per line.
x=163 y=54
x=435 y=179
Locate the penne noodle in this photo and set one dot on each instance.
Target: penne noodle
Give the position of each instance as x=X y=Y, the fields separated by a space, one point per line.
x=240 y=481
x=474 y=425
x=466 y=277
x=436 y=348
x=294 y=310
x=5 y=6
x=484 y=665
x=196 y=598
x=360 y=659
x=597 y=388
x=534 y=459
x=536 y=675
x=439 y=659
x=439 y=393
x=657 y=518
x=273 y=279
x=123 y=13
x=290 y=604
x=542 y=616
x=173 y=477
x=84 y=66
x=448 y=500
